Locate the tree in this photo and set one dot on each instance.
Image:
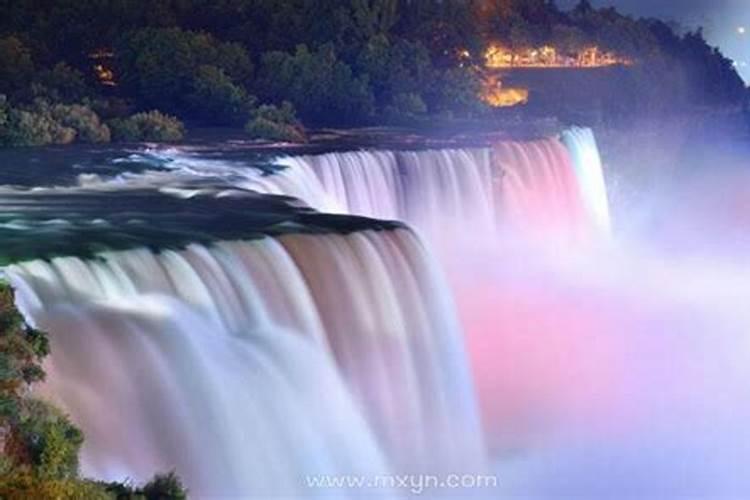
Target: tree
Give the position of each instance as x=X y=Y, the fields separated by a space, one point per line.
x=401 y=67
x=215 y=99
x=275 y=123
x=172 y=69
x=62 y=83
x=16 y=66
x=322 y=88
x=40 y=445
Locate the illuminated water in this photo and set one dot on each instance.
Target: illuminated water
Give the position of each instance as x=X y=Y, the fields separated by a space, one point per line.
x=249 y=341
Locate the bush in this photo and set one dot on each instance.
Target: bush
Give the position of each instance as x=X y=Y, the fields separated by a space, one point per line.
x=16 y=66
x=322 y=88
x=457 y=91
x=62 y=83
x=275 y=124
x=51 y=441
x=404 y=108
x=398 y=67
x=43 y=123
x=22 y=483
x=4 y=116
x=165 y=486
x=28 y=128
x=83 y=120
x=151 y=126
x=39 y=446
x=216 y=100
x=169 y=69
x=112 y=107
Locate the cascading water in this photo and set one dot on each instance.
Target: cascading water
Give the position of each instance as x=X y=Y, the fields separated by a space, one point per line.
x=588 y=168
x=248 y=366
x=610 y=371
x=539 y=187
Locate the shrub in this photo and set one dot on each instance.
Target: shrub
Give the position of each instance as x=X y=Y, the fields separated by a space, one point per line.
x=405 y=108
x=62 y=83
x=29 y=128
x=322 y=88
x=111 y=107
x=4 y=113
x=394 y=67
x=83 y=120
x=275 y=124
x=167 y=68
x=21 y=483
x=43 y=123
x=39 y=446
x=165 y=486
x=215 y=99
x=16 y=66
x=457 y=91
x=51 y=441
x=151 y=126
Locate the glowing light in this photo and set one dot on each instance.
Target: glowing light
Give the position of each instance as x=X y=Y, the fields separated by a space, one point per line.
x=741 y=30
x=498 y=96
x=497 y=56
x=102 y=69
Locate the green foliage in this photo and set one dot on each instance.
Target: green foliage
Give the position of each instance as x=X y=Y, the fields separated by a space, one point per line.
x=151 y=126
x=112 y=107
x=43 y=123
x=161 y=487
x=322 y=88
x=62 y=83
x=275 y=124
x=39 y=446
x=83 y=120
x=172 y=69
x=21 y=483
x=401 y=67
x=165 y=487
x=29 y=128
x=340 y=63
x=22 y=350
x=216 y=99
x=16 y=66
x=51 y=441
x=455 y=91
x=405 y=108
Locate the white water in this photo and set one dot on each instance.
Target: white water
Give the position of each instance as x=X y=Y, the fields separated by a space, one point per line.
x=533 y=188
x=248 y=366
x=538 y=188
x=610 y=372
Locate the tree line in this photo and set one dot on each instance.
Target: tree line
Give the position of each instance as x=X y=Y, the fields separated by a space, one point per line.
x=269 y=65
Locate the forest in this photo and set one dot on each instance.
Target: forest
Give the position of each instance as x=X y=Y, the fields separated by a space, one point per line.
x=101 y=70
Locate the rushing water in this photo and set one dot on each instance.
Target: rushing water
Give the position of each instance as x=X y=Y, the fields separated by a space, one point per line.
x=205 y=359
x=253 y=326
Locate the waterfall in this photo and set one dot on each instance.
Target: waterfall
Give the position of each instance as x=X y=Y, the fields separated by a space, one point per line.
x=321 y=345
x=544 y=188
x=588 y=168
x=429 y=189
x=248 y=365
x=539 y=188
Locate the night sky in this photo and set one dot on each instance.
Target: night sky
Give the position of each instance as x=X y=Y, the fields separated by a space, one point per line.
x=722 y=21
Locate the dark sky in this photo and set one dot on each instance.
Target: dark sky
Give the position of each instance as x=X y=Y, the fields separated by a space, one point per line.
x=721 y=20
